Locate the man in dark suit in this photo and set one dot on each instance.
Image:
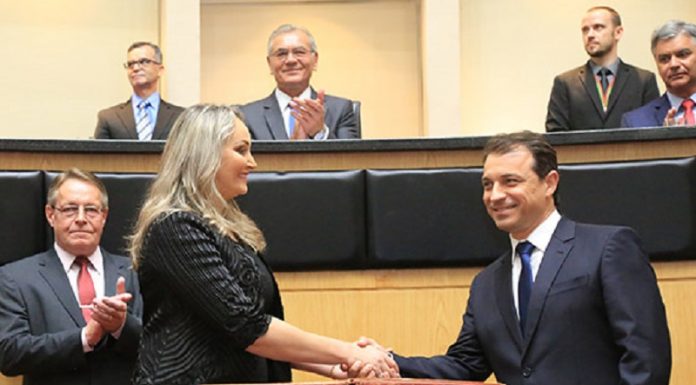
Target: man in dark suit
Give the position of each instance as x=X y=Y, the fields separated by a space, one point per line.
x=596 y=94
x=71 y=315
x=145 y=116
x=674 y=49
x=569 y=303
x=295 y=111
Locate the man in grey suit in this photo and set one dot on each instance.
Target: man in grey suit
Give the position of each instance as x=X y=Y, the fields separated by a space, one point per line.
x=596 y=94
x=295 y=111
x=145 y=116
x=71 y=315
x=568 y=303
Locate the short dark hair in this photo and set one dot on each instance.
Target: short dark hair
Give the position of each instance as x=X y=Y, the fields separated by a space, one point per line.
x=84 y=176
x=615 y=17
x=544 y=155
x=138 y=44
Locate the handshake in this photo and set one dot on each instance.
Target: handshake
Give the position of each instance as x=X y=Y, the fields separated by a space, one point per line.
x=371 y=360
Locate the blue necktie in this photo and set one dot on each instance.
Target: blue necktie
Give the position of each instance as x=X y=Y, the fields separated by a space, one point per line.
x=291 y=122
x=143 y=124
x=524 y=287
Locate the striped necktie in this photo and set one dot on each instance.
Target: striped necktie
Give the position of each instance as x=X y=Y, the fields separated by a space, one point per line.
x=291 y=122
x=143 y=124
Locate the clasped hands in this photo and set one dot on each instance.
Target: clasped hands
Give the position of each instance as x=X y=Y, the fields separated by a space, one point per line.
x=671 y=120
x=371 y=360
x=309 y=116
x=108 y=313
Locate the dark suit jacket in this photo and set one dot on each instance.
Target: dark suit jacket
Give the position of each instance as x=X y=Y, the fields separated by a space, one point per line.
x=650 y=115
x=118 y=122
x=41 y=322
x=575 y=104
x=595 y=316
x=265 y=121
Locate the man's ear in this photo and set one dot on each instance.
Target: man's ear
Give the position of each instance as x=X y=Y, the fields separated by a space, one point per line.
x=551 y=179
x=50 y=212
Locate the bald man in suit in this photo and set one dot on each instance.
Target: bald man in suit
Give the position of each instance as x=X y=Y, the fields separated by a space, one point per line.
x=145 y=116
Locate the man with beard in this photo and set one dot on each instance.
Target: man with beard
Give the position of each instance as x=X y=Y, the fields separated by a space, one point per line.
x=596 y=94
x=674 y=48
x=144 y=116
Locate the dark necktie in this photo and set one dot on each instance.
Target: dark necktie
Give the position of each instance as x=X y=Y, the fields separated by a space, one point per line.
x=688 y=106
x=85 y=288
x=604 y=74
x=524 y=287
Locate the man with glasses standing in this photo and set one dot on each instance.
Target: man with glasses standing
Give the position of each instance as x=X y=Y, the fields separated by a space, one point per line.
x=72 y=314
x=295 y=111
x=145 y=116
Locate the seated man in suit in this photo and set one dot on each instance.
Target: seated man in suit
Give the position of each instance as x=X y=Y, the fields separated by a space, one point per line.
x=596 y=94
x=674 y=49
x=295 y=110
x=71 y=315
x=144 y=116
x=568 y=303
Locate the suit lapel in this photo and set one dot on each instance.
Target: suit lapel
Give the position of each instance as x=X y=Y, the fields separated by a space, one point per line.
x=554 y=257
x=113 y=269
x=274 y=118
x=588 y=81
x=623 y=75
x=164 y=115
x=661 y=109
x=125 y=115
x=52 y=272
x=505 y=299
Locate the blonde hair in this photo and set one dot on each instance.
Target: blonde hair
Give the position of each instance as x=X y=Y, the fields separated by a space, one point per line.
x=186 y=179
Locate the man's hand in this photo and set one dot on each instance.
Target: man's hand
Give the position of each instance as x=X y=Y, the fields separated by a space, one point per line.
x=110 y=312
x=309 y=116
x=670 y=118
x=93 y=333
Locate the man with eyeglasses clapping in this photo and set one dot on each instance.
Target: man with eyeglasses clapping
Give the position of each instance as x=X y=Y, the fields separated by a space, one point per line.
x=72 y=314
x=144 y=116
x=295 y=111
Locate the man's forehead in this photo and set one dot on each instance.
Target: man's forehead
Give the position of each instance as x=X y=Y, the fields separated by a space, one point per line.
x=291 y=39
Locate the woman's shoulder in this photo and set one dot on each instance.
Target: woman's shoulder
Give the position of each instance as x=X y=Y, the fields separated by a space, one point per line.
x=180 y=221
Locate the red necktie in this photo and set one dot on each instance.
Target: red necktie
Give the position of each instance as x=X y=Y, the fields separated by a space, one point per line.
x=688 y=105
x=85 y=288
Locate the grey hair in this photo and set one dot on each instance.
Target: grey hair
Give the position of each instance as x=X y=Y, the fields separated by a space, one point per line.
x=155 y=47
x=670 y=30
x=76 y=174
x=287 y=28
x=186 y=179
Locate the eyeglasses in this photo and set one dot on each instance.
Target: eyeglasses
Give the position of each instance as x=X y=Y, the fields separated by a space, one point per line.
x=142 y=62
x=72 y=211
x=300 y=53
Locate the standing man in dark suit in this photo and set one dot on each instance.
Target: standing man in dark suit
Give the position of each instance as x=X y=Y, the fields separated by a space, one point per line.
x=596 y=94
x=295 y=111
x=674 y=48
x=145 y=116
x=569 y=303
x=71 y=315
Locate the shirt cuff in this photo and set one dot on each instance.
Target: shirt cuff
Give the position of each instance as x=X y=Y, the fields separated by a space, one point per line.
x=323 y=134
x=85 y=346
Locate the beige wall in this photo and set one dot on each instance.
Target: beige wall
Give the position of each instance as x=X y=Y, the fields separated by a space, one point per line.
x=63 y=58
x=368 y=51
x=61 y=62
